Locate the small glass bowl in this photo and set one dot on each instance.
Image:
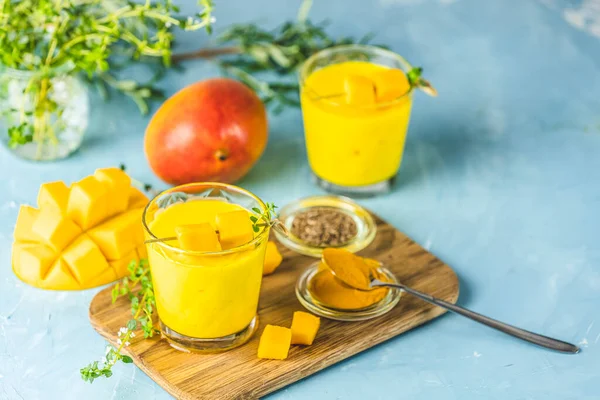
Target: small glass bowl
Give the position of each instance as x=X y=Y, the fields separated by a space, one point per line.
x=365 y=225
x=375 y=310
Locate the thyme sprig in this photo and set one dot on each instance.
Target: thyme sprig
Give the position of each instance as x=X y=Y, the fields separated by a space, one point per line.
x=140 y=292
x=263 y=218
x=268 y=60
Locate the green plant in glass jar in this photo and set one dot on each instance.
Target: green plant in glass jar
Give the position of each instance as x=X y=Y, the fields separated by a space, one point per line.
x=48 y=48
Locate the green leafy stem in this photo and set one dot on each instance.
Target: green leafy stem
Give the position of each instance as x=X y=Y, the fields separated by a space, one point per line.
x=137 y=287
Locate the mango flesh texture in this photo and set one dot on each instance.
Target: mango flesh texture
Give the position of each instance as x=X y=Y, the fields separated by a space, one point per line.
x=275 y=342
x=53 y=196
x=118 y=184
x=235 y=229
x=390 y=84
x=273 y=259
x=304 y=328
x=198 y=237
x=360 y=90
x=78 y=238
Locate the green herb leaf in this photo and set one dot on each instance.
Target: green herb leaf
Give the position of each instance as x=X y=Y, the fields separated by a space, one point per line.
x=142 y=306
x=94 y=39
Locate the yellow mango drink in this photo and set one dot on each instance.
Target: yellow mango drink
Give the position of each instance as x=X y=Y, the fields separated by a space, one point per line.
x=356 y=103
x=207 y=276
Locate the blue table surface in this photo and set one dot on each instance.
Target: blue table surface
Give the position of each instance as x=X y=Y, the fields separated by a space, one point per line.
x=501 y=180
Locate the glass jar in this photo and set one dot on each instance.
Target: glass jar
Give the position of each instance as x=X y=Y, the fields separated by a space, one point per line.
x=206 y=301
x=352 y=149
x=48 y=132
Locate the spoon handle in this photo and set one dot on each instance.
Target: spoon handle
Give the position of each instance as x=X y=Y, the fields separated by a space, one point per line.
x=531 y=337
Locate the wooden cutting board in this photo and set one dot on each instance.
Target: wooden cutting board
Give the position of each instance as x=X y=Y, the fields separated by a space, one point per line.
x=239 y=374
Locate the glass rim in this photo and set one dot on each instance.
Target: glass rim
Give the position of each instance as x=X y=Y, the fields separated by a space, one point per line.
x=365 y=48
x=233 y=250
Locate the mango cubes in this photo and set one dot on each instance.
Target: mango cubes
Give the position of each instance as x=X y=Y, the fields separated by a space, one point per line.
x=82 y=236
x=275 y=342
x=198 y=237
x=304 y=328
x=273 y=259
x=390 y=84
x=383 y=86
x=235 y=229
x=360 y=90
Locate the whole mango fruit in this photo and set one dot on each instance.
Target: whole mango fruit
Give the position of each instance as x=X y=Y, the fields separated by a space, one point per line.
x=211 y=131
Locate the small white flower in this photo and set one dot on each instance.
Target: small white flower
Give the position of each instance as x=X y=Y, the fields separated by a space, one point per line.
x=168 y=24
x=119 y=342
x=127 y=344
x=213 y=20
x=132 y=334
x=122 y=331
x=103 y=361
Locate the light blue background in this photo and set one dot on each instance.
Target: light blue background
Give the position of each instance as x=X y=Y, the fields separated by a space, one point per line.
x=501 y=180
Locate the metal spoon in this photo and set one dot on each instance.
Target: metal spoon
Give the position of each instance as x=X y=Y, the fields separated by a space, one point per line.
x=540 y=340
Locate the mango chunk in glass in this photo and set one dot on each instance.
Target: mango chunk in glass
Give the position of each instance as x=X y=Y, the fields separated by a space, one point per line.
x=390 y=84
x=360 y=90
x=235 y=228
x=275 y=342
x=198 y=237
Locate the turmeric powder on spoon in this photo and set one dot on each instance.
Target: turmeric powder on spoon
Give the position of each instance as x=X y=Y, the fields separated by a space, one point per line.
x=329 y=290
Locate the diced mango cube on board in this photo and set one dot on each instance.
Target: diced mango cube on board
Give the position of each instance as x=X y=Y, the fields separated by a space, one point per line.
x=118 y=236
x=54 y=229
x=137 y=199
x=118 y=184
x=360 y=90
x=60 y=277
x=273 y=259
x=31 y=261
x=54 y=196
x=235 y=228
x=304 y=328
x=198 y=237
x=25 y=219
x=390 y=84
x=275 y=342
x=85 y=259
x=88 y=202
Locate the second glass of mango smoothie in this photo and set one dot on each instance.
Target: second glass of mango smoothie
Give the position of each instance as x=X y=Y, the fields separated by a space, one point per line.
x=207 y=276
x=356 y=103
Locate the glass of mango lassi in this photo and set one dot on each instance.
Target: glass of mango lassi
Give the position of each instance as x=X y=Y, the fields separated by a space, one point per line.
x=356 y=103
x=207 y=275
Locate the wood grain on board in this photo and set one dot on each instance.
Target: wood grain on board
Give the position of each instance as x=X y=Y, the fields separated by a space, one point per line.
x=238 y=373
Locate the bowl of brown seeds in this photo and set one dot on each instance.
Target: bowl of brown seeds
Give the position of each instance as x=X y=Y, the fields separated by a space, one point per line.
x=317 y=222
